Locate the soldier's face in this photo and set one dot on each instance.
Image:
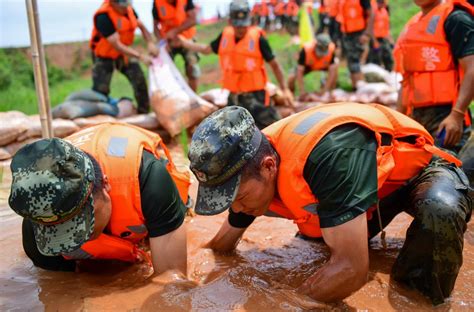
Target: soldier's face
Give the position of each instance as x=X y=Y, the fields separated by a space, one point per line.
x=240 y=31
x=256 y=194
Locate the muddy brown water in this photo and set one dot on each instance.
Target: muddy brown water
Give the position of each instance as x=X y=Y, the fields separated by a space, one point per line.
x=260 y=276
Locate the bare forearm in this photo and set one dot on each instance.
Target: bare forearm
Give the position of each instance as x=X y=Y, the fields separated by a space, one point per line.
x=226 y=239
x=128 y=51
x=146 y=34
x=188 y=23
x=276 y=68
x=334 y=281
x=332 y=78
x=370 y=22
x=197 y=47
x=466 y=91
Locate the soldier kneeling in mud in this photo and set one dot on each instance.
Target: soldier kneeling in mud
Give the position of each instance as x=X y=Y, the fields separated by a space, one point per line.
x=342 y=172
x=97 y=195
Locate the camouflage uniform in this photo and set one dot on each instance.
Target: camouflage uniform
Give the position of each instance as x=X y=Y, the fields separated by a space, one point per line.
x=191 y=60
x=254 y=102
x=51 y=186
x=430 y=117
x=439 y=200
x=353 y=50
x=102 y=75
x=383 y=54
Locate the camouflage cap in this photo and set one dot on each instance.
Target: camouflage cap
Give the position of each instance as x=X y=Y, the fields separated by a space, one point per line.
x=221 y=146
x=322 y=44
x=52 y=186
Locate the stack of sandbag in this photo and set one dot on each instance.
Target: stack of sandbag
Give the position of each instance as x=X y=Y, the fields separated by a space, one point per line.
x=176 y=106
x=85 y=103
x=17 y=129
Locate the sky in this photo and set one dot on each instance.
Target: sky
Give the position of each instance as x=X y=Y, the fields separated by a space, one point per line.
x=71 y=20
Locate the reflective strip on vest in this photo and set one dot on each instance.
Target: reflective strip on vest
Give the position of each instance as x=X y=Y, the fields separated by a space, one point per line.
x=309 y=122
x=117 y=147
x=78 y=254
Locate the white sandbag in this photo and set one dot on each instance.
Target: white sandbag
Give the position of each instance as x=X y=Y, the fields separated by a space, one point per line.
x=271 y=89
x=374 y=73
x=61 y=128
x=92 y=121
x=12 y=125
x=373 y=88
x=125 y=108
x=4 y=154
x=146 y=121
x=12 y=148
x=217 y=96
x=176 y=106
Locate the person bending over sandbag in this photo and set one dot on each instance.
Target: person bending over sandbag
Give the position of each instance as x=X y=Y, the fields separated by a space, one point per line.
x=317 y=55
x=342 y=172
x=243 y=51
x=98 y=194
x=113 y=34
x=176 y=17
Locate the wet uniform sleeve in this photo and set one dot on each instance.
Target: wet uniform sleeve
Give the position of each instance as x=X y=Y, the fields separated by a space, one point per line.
x=216 y=43
x=265 y=49
x=342 y=173
x=302 y=58
x=459 y=29
x=240 y=220
x=162 y=207
x=51 y=263
x=104 y=25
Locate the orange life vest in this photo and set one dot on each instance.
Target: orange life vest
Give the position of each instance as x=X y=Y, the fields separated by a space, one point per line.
x=292 y=9
x=118 y=149
x=381 y=21
x=315 y=62
x=125 y=26
x=264 y=11
x=279 y=9
x=352 y=16
x=430 y=75
x=332 y=7
x=295 y=137
x=172 y=16
x=242 y=64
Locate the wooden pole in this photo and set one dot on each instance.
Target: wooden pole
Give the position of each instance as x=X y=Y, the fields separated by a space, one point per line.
x=40 y=70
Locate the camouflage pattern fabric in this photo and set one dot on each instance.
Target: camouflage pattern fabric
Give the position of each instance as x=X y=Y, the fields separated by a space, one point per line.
x=220 y=147
x=191 y=60
x=335 y=31
x=353 y=50
x=440 y=202
x=102 y=75
x=51 y=186
x=382 y=55
x=466 y=155
x=430 y=117
x=254 y=102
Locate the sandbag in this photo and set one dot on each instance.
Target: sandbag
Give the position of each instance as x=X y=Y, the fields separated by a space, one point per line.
x=87 y=95
x=217 y=96
x=12 y=125
x=125 y=108
x=4 y=154
x=61 y=128
x=73 y=109
x=466 y=155
x=92 y=121
x=146 y=121
x=176 y=106
x=12 y=148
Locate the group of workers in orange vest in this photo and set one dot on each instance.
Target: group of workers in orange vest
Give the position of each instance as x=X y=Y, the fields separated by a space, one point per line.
x=276 y=14
x=340 y=171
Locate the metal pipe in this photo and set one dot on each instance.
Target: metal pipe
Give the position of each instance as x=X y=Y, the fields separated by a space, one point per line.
x=40 y=70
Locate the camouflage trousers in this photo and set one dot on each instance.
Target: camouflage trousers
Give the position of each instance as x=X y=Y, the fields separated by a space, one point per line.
x=191 y=61
x=254 y=102
x=353 y=50
x=430 y=117
x=439 y=201
x=381 y=55
x=102 y=76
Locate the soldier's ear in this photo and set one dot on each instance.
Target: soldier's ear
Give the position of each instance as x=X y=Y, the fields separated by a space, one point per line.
x=106 y=184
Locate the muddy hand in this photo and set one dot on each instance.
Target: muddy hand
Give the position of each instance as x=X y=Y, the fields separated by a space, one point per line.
x=145 y=59
x=453 y=125
x=288 y=98
x=153 y=49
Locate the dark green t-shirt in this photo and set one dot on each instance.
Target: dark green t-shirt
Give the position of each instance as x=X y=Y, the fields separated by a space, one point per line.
x=341 y=172
x=162 y=209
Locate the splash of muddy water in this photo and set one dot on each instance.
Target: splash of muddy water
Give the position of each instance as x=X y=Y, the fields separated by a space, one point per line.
x=262 y=275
